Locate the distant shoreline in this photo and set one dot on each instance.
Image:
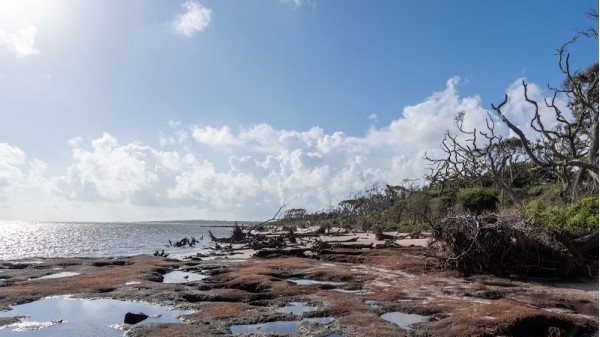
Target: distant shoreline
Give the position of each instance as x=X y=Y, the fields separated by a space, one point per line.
x=209 y=223
x=224 y=223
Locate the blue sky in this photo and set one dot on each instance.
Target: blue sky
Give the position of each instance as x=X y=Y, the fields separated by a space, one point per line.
x=143 y=110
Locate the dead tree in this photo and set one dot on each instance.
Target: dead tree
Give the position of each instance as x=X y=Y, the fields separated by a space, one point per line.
x=483 y=154
x=274 y=218
x=569 y=148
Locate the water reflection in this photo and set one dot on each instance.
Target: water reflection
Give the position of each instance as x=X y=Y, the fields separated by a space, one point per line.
x=68 y=317
x=403 y=320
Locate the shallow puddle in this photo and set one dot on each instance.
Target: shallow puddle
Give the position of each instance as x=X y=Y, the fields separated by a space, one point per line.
x=296 y=308
x=182 y=277
x=281 y=327
x=410 y=299
x=319 y=320
x=347 y=291
x=372 y=303
x=403 y=320
x=57 y=275
x=311 y=282
x=68 y=317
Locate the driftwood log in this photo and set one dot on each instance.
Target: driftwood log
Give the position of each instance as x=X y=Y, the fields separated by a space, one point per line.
x=285 y=241
x=379 y=235
x=237 y=235
x=275 y=253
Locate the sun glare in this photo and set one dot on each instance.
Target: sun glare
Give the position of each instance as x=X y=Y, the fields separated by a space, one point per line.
x=16 y=13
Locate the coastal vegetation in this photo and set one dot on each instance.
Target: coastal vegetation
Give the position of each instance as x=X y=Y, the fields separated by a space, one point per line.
x=530 y=191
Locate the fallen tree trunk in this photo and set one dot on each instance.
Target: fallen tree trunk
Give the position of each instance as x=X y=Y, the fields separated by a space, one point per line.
x=380 y=236
x=347 y=246
x=413 y=235
x=275 y=253
x=339 y=252
x=354 y=239
x=216 y=239
x=389 y=244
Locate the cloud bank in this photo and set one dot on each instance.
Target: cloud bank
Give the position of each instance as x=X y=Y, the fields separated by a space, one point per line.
x=247 y=172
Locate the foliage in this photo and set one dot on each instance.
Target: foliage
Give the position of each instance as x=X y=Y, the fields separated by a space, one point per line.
x=583 y=216
x=536 y=191
x=578 y=219
x=296 y=214
x=409 y=225
x=478 y=199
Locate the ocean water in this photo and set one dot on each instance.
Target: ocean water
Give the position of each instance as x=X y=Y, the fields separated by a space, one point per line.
x=20 y=240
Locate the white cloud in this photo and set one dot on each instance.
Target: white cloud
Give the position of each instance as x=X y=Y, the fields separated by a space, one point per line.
x=196 y=18
x=313 y=169
x=20 y=42
x=373 y=118
x=300 y=3
x=11 y=175
x=261 y=168
x=178 y=137
x=216 y=137
x=75 y=141
x=174 y=124
x=109 y=171
x=520 y=112
x=17 y=173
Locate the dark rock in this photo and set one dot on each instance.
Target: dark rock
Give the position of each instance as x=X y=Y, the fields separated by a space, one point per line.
x=154 y=277
x=111 y=263
x=4 y=321
x=134 y=318
x=121 y=263
x=16 y=265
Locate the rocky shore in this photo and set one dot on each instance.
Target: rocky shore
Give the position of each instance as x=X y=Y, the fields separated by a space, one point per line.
x=350 y=292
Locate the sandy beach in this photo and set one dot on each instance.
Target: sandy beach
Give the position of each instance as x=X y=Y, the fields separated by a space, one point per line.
x=349 y=292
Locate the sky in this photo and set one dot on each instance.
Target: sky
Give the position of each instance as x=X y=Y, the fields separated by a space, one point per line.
x=162 y=109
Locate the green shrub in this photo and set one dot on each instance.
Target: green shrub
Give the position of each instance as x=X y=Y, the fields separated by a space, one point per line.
x=578 y=219
x=549 y=193
x=409 y=225
x=478 y=199
x=582 y=217
x=543 y=215
x=536 y=191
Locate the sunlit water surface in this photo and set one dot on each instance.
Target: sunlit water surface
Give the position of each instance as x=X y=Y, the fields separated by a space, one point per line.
x=67 y=317
x=52 y=239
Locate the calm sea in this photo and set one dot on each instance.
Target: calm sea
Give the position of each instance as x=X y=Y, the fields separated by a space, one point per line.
x=52 y=239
